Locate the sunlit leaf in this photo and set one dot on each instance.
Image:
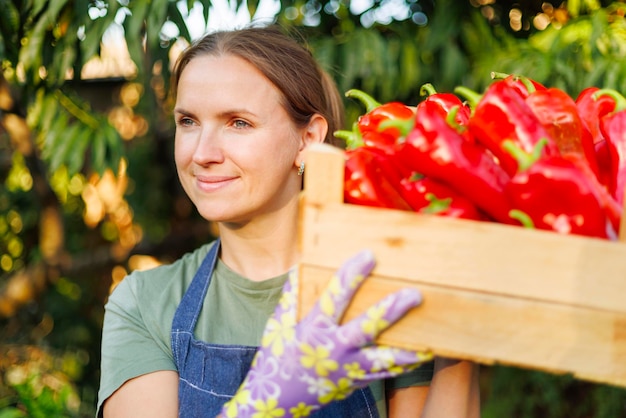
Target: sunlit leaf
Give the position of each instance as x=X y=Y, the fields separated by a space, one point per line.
x=76 y=156
x=30 y=54
x=177 y=18
x=54 y=135
x=98 y=152
x=115 y=149
x=154 y=22
x=90 y=46
x=63 y=146
x=133 y=27
x=9 y=30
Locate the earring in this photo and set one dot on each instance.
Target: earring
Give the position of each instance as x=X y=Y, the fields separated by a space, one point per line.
x=301 y=169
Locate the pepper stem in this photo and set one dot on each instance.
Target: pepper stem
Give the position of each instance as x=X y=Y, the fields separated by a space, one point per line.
x=427 y=90
x=620 y=100
x=451 y=119
x=495 y=75
x=469 y=95
x=405 y=126
x=353 y=138
x=522 y=217
x=436 y=205
x=530 y=87
x=524 y=159
x=368 y=101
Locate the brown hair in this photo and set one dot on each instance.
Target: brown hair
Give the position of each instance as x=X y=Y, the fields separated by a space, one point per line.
x=306 y=88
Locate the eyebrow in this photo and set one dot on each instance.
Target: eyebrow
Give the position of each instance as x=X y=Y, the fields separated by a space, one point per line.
x=226 y=113
x=182 y=111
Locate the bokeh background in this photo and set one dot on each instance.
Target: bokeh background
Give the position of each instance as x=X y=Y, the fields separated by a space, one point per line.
x=88 y=187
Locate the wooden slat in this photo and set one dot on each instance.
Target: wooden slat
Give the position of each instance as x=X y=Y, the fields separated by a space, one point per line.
x=488 y=328
x=482 y=256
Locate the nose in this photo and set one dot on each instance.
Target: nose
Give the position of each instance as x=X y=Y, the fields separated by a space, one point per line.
x=209 y=148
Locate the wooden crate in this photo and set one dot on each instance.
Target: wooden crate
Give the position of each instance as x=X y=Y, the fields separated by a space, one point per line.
x=493 y=293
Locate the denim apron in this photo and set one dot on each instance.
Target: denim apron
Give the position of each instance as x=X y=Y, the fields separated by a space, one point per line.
x=210 y=374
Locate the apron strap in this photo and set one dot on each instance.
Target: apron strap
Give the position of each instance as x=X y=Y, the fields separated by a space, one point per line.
x=190 y=305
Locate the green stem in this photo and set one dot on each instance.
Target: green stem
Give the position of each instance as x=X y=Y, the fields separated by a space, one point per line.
x=523 y=217
x=495 y=75
x=435 y=204
x=524 y=159
x=530 y=87
x=427 y=90
x=353 y=138
x=451 y=119
x=620 y=100
x=405 y=126
x=469 y=95
x=368 y=101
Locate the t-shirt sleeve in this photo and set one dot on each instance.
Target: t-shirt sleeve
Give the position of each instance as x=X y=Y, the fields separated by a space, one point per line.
x=418 y=377
x=129 y=347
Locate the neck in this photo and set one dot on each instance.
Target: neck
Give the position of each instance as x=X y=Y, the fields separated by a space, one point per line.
x=263 y=249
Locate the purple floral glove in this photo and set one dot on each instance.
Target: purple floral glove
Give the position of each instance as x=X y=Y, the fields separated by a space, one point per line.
x=301 y=367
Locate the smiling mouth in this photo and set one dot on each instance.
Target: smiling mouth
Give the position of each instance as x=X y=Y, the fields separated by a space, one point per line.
x=211 y=183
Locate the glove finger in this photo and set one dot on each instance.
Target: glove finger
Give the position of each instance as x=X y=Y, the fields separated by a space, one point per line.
x=364 y=329
x=343 y=285
x=381 y=362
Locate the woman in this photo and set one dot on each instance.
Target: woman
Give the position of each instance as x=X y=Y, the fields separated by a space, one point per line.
x=181 y=337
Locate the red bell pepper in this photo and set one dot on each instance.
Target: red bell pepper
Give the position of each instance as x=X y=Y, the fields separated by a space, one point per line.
x=558 y=113
x=426 y=195
x=558 y=193
x=613 y=128
x=603 y=156
x=436 y=149
x=368 y=124
x=447 y=102
x=372 y=179
x=591 y=109
x=523 y=85
x=502 y=113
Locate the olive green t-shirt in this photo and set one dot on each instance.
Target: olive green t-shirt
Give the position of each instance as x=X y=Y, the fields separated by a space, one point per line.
x=139 y=313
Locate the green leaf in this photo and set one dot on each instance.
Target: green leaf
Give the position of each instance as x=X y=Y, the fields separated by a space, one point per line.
x=54 y=136
x=9 y=30
x=177 y=18
x=115 y=147
x=206 y=5
x=63 y=60
x=155 y=19
x=134 y=23
x=98 y=152
x=94 y=31
x=48 y=109
x=64 y=146
x=30 y=54
x=133 y=28
x=76 y=156
x=11 y=412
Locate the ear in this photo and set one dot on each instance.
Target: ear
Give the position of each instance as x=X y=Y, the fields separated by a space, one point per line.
x=314 y=133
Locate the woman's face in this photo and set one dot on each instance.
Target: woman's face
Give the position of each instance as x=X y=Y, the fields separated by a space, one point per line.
x=236 y=149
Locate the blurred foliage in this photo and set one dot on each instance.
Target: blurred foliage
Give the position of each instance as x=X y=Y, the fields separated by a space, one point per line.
x=518 y=393
x=90 y=191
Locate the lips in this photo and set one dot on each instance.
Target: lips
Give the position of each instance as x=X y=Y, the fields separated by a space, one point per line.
x=213 y=183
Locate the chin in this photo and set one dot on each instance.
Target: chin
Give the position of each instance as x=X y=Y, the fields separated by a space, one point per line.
x=222 y=217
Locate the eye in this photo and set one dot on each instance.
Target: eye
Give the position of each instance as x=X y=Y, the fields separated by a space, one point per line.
x=240 y=124
x=184 y=121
